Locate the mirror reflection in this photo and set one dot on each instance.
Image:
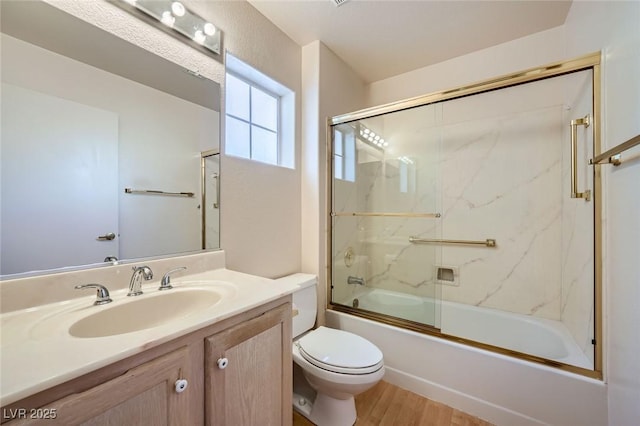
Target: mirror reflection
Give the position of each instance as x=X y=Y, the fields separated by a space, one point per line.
x=103 y=147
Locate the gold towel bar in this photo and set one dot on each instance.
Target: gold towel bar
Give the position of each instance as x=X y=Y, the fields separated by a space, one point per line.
x=612 y=156
x=487 y=242
x=371 y=214
x=154 y=192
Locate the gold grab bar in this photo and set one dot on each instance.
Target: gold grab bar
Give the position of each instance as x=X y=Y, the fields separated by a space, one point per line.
x=154 y=192
x=487 y=242
x=612 y=156
x=574 y=157
x=372 y=214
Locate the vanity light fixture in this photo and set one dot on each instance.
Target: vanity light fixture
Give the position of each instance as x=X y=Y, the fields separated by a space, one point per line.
x=176 y=18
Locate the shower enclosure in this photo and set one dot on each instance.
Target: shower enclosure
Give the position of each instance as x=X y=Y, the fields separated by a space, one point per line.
x=474 y=214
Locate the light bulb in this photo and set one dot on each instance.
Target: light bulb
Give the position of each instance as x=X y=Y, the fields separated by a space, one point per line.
x=209 y=29
x=199 y=37
x=167 y=19
x=177 y=8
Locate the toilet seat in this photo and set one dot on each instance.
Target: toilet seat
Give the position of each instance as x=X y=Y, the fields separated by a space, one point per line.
x=340 y=351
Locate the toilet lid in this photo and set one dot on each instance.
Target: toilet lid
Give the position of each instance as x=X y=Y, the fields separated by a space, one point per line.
x=340 y=351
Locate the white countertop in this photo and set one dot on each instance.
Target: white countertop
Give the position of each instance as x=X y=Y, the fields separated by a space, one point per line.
x=37 y=352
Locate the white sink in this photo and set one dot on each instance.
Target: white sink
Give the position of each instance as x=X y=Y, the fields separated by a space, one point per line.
x=80 y=319
x=145 y=311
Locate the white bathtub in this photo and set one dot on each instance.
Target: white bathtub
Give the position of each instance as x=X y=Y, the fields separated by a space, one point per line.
x=522 y=333
x=501 y=389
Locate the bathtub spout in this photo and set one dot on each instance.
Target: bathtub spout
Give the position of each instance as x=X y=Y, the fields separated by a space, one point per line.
x=355 y=280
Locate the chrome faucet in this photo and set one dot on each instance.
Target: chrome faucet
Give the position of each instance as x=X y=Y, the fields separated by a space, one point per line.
x=165 y=282
x=101 y=292
x=355 y=280
x=135 y=285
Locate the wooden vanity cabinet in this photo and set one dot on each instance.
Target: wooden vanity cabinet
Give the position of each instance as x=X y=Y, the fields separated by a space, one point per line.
x=255 y=388
x=143 y=395
x=248 y=372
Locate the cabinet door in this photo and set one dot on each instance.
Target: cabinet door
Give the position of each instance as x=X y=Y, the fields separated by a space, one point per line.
x=255 y=385
x=144 y=395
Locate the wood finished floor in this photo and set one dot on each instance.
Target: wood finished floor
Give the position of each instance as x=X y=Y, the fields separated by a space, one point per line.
x=389 y=405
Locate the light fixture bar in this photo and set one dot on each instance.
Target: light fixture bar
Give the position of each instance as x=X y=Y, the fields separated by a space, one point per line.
x=174 y=17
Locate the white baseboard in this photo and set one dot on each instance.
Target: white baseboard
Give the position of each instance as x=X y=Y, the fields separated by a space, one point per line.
x=463 y=402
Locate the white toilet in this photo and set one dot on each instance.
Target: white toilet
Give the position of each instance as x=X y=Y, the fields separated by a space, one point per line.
x=336 y=364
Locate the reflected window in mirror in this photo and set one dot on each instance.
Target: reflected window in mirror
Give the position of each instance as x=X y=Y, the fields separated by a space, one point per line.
x=344 y=154
x=260 y=115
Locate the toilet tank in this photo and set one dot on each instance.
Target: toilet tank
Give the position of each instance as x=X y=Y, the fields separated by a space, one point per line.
x=305 y=301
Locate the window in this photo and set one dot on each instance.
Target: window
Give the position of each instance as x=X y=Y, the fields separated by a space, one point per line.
x=259 y=116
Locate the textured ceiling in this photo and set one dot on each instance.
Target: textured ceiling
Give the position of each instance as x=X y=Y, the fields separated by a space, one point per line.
x=380 y=39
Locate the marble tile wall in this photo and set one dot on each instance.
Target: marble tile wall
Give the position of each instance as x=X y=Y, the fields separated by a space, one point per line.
x=501 y=182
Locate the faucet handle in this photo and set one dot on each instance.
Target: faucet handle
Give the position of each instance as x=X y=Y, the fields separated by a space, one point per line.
x=165 y=283
x=102 y=293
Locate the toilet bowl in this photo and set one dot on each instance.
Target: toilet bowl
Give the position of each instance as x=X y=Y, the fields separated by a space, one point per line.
x=336 y=364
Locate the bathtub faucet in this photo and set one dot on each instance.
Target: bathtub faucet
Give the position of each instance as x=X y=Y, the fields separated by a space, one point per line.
x=355 y=280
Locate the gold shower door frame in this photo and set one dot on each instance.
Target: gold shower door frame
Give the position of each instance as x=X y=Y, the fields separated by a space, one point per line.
x=583 y=63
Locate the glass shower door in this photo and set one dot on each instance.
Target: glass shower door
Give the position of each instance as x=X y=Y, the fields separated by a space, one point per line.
x=474 y=218
x=384 y=194
x=507 y=170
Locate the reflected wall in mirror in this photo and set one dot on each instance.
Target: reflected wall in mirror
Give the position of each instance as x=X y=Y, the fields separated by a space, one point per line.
x=84 y=116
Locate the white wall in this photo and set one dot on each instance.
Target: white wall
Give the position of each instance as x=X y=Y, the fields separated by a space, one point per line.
x=523 y=53
x=330 y=88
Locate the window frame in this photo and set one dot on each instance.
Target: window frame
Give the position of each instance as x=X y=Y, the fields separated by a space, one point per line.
x=287 y=113
x=278 y=98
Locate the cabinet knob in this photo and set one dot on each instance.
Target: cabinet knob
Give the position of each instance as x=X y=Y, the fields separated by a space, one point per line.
x=181 y=385
x=222 y=363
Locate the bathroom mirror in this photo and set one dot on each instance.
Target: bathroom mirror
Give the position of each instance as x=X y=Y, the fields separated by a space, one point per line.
x=101 y=149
